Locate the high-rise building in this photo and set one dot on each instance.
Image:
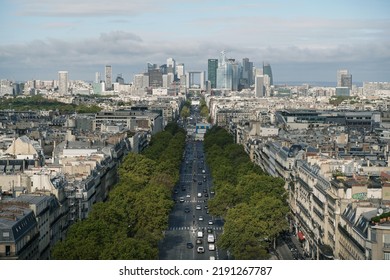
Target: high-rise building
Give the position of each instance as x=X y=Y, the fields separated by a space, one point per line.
x=97 y=77
x=259 y=86
x=155 y=78
x=268 y=71
x=224 y=73
x=171 y=65
x=63 y=82
x=120 y=80
x=247 y=73
x=212 y=66
x=344 y=79
x=108 y=76
x=151 y=66
x=164 y=69
x=180 y=71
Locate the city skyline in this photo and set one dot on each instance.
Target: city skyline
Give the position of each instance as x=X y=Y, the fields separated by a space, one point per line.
x=303 y=41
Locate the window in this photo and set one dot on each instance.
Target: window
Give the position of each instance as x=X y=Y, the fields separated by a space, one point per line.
x=6 y=234
x=386 y=238
x=373 y=235
x=386 y=256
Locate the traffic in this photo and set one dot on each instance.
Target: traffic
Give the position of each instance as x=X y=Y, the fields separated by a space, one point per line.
x=193 y=232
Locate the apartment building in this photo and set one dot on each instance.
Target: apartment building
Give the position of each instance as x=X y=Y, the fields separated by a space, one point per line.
x=19 y=233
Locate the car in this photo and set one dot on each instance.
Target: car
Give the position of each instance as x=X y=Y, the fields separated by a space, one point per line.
x=212 y=192
x=199 y=234
x=199 y=183
x=205 y=207
x=198 y=207
x=211 y=247
x=190 y=245
x=183 y=189
x=212 y=258
x=204 y=180
x=187 y=210
x=176 y=191
x=199 y=194
x=181 y=199
x=199 y=241
x=200 y=250
x=206 y=195
x=205 y=190
x=188 y=195
x=200 y=218
x=209 y=230
x=207 y=211
x=211 y=222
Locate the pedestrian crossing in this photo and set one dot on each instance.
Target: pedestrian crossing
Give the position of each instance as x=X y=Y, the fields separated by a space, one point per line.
x=196 y=200
x=192 y=228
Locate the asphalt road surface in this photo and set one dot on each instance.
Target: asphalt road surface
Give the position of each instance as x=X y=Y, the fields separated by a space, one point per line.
x=190 y=214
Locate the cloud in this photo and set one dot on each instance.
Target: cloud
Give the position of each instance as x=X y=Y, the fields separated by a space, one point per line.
x=116 y=36
x=126 y=50
x=77 y=8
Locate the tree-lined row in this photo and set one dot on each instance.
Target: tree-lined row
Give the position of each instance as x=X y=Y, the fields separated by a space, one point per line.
x=131 y=223
x=252 y=203
x=39 y=102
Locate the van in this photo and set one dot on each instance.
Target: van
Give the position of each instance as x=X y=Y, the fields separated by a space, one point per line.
x=210 y=238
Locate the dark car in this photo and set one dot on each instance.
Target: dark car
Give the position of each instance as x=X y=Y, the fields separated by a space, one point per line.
x=187 y=210
x=190 y=245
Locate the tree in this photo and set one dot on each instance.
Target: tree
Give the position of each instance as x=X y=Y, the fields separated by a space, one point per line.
x=185 y=112
x=251 y=227
x=130 y=224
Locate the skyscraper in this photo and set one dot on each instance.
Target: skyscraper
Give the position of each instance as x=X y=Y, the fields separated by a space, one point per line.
x=259 y=86
x=63 y=82
x=344 y=79
x=247 y=72
x=171 y=65
x=212 y=66
x=108 y=75
x=267 y=71
x=97 y=77
x=180 y=71
x=225 y=72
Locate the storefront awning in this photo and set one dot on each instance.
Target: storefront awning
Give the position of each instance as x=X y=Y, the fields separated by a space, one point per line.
x=301 y=236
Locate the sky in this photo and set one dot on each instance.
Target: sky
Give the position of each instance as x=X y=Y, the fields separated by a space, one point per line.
x=302 y=40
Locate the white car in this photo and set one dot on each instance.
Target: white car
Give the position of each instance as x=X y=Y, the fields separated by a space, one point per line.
x=188 y=195
x=198 y=207
x=211 y=222
x=211 y=247
x=200 y=250
x=200 y=218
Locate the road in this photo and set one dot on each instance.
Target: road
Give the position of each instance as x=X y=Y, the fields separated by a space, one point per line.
x=190 y=214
